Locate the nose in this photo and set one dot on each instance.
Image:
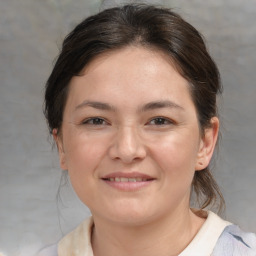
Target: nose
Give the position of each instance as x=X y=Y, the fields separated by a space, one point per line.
x=127 y=146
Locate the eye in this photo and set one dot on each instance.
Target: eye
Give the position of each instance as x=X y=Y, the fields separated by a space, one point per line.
x=160 y=121
x=95 y=121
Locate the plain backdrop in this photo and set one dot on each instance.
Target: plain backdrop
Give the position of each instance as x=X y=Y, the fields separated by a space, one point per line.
x=31 y=32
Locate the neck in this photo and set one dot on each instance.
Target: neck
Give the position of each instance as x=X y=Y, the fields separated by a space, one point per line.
x=169 y=235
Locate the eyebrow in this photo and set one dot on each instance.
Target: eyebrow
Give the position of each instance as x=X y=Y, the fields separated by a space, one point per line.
x=160 y=104
x=149 y=106
x=95 y=104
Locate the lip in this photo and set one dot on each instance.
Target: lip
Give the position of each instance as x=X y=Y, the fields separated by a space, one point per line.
x=137 y=180
x=128 y=175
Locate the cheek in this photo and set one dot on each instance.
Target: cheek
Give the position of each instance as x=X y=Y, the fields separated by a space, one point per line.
x=176 y=156
x=175 y=159
x=83 y=155
x=82 y=150
x=83 y=162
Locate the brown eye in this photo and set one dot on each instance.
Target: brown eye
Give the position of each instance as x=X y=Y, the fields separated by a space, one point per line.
x=95 y=121
x=160 y=121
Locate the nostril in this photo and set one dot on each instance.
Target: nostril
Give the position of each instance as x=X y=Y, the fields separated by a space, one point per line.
x=127 y=145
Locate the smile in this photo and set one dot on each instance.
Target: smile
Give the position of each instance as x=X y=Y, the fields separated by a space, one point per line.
x=128 y=181
x=124 y=179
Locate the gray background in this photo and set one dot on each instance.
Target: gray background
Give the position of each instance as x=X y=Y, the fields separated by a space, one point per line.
x=31 y=32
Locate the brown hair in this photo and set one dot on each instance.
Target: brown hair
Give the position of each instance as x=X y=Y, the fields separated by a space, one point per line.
x=151 y=27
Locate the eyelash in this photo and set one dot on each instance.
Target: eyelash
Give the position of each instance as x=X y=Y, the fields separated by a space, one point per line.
x=100 y=121
x=163 y=121
x=90 y=121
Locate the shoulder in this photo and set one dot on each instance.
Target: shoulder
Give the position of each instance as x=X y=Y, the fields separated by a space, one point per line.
x=233 y=241
x=77 y=242
x=48 y=251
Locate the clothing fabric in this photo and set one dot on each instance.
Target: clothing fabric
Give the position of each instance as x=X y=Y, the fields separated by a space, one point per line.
x=216 y=237
x=234 y=242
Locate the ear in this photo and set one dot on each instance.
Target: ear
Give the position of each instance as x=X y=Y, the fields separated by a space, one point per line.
x=207 y=145
x=59 y=142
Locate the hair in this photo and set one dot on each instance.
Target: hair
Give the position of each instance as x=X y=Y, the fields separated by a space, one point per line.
x=149 y=27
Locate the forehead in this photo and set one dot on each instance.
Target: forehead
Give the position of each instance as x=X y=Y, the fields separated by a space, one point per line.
x=130 y=55
x=131 y=72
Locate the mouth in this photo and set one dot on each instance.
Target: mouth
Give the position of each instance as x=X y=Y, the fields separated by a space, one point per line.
x=124 y=179
x=128 y=181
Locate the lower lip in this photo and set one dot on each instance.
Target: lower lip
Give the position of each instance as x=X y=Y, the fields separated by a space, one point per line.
x=128 y=186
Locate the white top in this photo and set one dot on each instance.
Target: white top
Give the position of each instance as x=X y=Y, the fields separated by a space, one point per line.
x=78 y=242
x=207 y=237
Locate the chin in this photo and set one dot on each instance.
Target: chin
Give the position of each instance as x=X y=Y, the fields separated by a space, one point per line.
x=130 y=217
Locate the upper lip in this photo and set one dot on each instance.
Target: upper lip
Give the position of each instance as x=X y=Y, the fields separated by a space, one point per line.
x=128 y=175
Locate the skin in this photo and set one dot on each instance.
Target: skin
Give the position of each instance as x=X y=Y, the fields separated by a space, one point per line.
x=127 y=133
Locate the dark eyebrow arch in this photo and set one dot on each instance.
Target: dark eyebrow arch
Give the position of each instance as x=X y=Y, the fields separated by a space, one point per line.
x=160 y=104
x=95 y=104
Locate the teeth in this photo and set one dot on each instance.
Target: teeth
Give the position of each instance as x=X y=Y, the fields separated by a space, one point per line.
x=123 y=179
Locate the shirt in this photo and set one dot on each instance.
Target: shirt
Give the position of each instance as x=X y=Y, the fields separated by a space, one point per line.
x=216 y=237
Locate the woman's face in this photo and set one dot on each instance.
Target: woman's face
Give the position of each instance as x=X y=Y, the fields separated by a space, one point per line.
x=130 y=137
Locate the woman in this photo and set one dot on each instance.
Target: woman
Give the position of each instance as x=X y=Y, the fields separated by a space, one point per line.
x=131 y=104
